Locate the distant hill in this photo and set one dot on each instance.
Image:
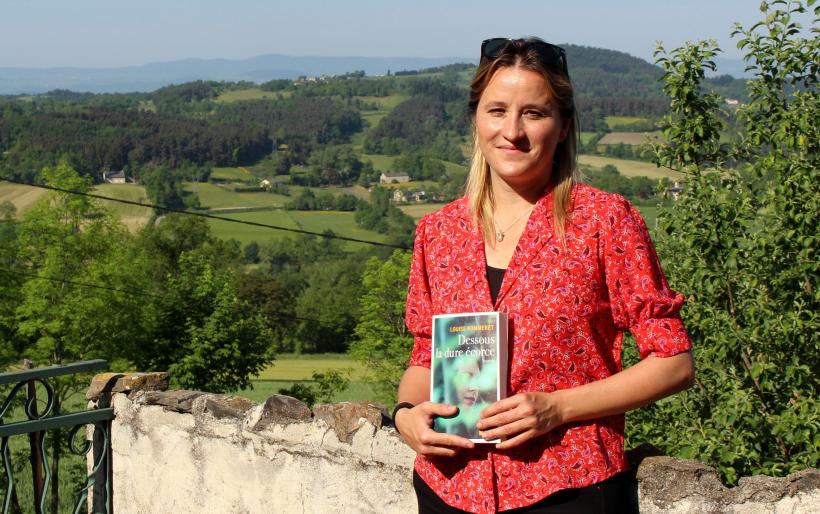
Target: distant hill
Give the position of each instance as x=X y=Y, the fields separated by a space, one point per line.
x=156 y=75
x=596 y=72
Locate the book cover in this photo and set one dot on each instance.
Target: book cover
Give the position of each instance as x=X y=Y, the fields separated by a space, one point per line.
x=468 y=368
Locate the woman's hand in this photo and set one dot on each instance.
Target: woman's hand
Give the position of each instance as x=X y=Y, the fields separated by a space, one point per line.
x=415 y=426
x=519 y=418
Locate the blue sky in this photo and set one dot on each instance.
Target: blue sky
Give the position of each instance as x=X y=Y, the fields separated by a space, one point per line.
x=112 y=33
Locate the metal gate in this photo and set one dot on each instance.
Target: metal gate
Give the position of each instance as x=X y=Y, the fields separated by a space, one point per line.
x=37 y=427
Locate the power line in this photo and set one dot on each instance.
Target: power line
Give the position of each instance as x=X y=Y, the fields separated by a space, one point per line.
x=129 y=292
x=137 y=292
x=204 y=215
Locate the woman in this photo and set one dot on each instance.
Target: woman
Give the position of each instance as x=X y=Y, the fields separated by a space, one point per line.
x=574 y=268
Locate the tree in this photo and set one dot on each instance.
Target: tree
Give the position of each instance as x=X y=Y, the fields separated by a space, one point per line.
x=74 y=298
x=163 y=186
x=195 y=325
x=273 y=299
x=219 y=347
x=384 y=217
x=328 y=305
x=741 y=243
x=383 y=343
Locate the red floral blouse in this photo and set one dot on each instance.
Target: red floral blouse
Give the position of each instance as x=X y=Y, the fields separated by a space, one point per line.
x=568 y=310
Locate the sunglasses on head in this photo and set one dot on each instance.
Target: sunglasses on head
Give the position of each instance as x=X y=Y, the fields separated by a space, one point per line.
x=550 y=55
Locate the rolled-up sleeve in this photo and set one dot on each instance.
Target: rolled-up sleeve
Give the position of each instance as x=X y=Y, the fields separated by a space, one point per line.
x=418 y=315
x=640 y=298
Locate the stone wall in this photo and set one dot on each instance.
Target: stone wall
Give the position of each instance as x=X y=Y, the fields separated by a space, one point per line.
x=192 y=452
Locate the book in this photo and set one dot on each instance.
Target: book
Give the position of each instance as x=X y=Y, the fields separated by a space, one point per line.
x=468 y=368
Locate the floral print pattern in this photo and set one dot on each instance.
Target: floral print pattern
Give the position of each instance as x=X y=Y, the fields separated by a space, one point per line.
x=568 y=308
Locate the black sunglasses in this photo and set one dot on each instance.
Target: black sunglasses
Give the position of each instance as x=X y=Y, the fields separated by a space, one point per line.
x=550 y=55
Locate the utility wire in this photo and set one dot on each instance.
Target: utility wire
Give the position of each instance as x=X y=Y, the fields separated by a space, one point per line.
x=204 y=215
x=129 y=292
x=132 y=292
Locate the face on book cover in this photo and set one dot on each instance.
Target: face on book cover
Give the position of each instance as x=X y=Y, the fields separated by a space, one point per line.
x=466 y=381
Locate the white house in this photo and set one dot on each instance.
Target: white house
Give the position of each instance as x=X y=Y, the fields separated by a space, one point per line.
x=116 y=177
x=399 y=196
x=393 y=177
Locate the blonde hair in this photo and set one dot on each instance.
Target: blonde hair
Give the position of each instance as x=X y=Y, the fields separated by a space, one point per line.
x=563 y=176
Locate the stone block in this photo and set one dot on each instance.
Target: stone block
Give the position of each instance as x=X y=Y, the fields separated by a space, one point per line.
x=226 y=405
x=666 y=480
x=126 y=383
x=344 y=418
x=687 y=486
x=280 y=410
x=178 y=400
x=389 y=448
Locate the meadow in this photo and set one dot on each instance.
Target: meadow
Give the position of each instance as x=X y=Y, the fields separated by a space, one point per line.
x=250 y=94
x=380 y=162
x=289 y=369
x=215 y=196
x=629 y=138
x=239 y=174
x=342 y=223
x=134 y=217
x=629 y=168
x=586 y=137
x=372 y=118
x=22 y=197
x=385 y=103
x=417 y=210
x=614 y=121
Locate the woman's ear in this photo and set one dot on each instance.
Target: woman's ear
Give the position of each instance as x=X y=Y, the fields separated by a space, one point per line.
x=565 y=127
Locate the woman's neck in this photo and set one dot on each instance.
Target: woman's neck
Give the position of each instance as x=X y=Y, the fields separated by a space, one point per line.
x=509 y=199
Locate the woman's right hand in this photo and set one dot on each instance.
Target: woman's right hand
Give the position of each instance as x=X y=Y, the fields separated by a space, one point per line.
x=416 y=427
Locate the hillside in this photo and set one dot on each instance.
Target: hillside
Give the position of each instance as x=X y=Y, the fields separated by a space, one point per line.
x=209 y=145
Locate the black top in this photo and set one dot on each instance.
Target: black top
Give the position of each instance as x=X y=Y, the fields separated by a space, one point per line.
x=495 y=276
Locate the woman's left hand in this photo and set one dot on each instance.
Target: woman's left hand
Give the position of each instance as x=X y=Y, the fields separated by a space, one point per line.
x=519 y=418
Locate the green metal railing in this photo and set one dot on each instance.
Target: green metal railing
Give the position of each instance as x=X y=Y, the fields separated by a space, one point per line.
x=37 y=426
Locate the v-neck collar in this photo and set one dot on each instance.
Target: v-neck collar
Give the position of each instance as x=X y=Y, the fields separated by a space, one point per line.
x=537 y=232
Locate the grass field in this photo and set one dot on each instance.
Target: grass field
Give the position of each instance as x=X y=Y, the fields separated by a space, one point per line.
x=586 y=137
x=23 y=197
x=413 y=184
x=246 y=233
x=385 y=103
x=613 y=121
x=261 y=390
x=650 y=214
x=385 y=162
x=238 y=174
x=342 y=223
x=134 y=217
x=416 y=211
x=629 y=168
x=358 y=191
x=372 y=118
x=289 y=369
x=452 y=167
x=629 y=138
x=380 y=162
x=301 y=367
x=212 y=196
x=250 y=94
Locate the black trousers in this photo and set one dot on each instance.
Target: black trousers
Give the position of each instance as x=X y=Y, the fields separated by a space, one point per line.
x=615 y=495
